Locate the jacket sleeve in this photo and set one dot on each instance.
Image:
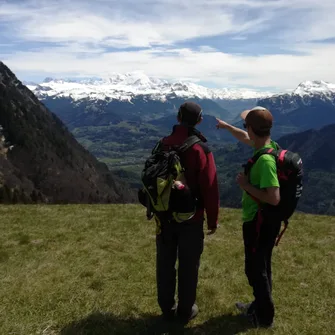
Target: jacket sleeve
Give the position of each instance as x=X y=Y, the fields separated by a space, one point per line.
x=209 y=189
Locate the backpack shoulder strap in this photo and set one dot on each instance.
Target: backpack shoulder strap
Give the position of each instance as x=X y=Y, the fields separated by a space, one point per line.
x=278 y=146
x=158 y=147
x=253 y=160
x=247 y=167
x=189 y=142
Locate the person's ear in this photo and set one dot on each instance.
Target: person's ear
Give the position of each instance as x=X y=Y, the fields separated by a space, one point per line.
x=250 y=132
x=200 y=120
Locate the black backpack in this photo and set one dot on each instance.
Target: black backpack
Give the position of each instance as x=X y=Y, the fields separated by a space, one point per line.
x=290 y=177
x=165 y=193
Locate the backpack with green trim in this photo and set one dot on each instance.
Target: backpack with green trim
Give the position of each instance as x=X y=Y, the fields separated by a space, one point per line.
x=165 y=192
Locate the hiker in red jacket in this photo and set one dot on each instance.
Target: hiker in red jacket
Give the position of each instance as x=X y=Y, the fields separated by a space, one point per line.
x=186 y=239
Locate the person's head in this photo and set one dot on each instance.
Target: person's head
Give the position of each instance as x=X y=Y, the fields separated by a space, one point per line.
x=189 y=114
x=257 y=122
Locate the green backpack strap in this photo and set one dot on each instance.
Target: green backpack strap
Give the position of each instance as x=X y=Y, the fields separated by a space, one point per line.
x=278 y=146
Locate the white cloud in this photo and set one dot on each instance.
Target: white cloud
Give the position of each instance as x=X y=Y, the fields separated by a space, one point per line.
x=83 y=33
x=279 y=71
x=207 y=48
x=164 y=22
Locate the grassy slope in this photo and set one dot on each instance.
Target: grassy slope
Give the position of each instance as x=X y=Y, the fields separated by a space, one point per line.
x=91 y=270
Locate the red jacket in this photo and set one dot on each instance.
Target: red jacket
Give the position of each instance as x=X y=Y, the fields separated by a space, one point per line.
x=200 y=173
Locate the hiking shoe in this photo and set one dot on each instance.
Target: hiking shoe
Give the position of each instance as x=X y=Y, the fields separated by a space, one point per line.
x=194 y=312
x=186 y=318
x=170 y=315
x=243 y=307
x=249 y=312
x=265 y=326
x=253 y=319
x=255 y=322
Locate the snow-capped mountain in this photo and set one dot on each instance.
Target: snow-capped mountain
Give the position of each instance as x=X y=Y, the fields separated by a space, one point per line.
x=305 y=94
x=314 y=87
x=310 y=106
x=138 y=98
x=127 y=86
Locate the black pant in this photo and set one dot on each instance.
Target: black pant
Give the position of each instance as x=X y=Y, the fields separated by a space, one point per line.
x=185 y=240
x=258 y=254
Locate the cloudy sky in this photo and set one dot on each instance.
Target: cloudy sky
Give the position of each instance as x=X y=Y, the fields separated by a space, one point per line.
x=263 y=44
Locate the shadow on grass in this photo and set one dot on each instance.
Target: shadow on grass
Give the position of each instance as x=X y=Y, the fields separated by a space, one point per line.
x=109 y=324
x=227 y=324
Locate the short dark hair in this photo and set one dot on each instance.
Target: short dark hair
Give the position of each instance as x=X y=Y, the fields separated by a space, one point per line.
x=189 y=113
x=259 y=119
x=261 y=133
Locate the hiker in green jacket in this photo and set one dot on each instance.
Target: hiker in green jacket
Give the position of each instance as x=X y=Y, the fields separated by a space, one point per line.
x=259 y=234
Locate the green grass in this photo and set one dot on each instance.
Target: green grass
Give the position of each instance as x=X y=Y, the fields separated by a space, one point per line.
x=90 y=269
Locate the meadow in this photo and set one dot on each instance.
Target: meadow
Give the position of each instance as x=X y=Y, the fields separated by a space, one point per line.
x=90 y=269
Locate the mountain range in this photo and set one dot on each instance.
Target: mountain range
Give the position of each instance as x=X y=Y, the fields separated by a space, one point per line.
x=138 y=98
x=125 y=87
x=120 y=119
x=310 y=106
x=41 y=161
x=134 y=97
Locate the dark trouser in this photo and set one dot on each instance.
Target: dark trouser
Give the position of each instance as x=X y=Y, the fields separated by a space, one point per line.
x=185 y=240
x=258 y=266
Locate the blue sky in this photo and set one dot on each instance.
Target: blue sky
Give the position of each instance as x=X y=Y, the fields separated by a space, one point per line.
x=266 y=45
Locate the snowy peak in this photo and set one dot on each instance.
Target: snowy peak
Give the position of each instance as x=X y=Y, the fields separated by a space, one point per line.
x=314 y=87
x=129 y=85
x=48 y=80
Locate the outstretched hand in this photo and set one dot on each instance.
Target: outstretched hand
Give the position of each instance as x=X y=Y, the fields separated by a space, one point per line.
x=221 y=124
